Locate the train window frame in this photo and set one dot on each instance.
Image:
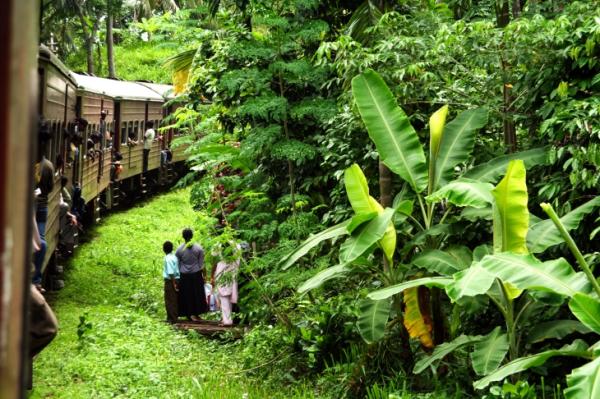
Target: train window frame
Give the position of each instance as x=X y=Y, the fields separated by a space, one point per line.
x=123 y=132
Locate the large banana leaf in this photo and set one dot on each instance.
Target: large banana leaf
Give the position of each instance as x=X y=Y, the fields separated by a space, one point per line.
x=444 y=349
x=584 y=382
x=362 y=203
x=527 y=272
x=437 y=261
x=457 y=143
x=321 y=277
x=587 y=310
x=470 y=282
x=388 y=126
x=359 y=219
x=312 y=241
x=511 y=217
x=417 y=319
x=493 y=169
x=397 y=288
x=544 y=234
x=366 y=237
x=465 y=192
x=555 y=329
x=372 y=319
x=489 y=352
x=577 y=348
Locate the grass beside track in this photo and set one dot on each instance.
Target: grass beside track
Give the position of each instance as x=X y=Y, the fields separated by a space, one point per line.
x=112 y=340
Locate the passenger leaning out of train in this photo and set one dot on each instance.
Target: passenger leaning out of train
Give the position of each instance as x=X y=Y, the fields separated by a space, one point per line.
x=44 y=178
x=68 y=221
x=43 y=325
x=148 y=139
x=103 y=128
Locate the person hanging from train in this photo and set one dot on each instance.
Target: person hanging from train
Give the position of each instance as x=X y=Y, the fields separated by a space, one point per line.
x=68 y=220
x=171 y=282
x=44 y=178
x=103 y=129
x=43 y=325
x=192 y=299
x=148 y=139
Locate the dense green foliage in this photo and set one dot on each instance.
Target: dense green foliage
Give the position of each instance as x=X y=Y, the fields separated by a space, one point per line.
x=308 y=117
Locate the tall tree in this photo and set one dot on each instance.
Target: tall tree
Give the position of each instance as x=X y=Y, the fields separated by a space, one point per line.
x=110 y=56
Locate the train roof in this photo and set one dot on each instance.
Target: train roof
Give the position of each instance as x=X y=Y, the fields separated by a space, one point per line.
x=47 y=55
x=164 y=90
x=118 y=89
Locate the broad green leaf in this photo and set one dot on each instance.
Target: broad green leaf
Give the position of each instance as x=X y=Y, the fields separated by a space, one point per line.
x=392 y=290
x=404 y=207
x=470 y=282
x=555 y=329
x=444 y=349
x=437 y=261
x=437 y=121
x=372 y=319
x=321 y=277
x=587 y=310
x=359 y=219
x=481 y=251
x=457 y=143
x=312 y=241
x=362 y=203
x=544 y=234
x=463 y=257
x=388 y=126
x=475 y=214
x=489 y=352
x=526 y=272
x=465 y=192
x=366 y=237
x=584 y=382
x=577 y=348
x=417 y=319
x=511 y=217
x=493 y=169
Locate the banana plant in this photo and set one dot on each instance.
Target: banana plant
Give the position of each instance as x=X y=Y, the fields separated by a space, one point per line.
x=432 y=192
x=504 y=276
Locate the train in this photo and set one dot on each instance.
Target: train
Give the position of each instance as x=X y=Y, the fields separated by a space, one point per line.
x=106 y=169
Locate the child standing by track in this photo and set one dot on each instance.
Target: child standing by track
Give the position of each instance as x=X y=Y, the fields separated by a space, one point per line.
x=171 y=277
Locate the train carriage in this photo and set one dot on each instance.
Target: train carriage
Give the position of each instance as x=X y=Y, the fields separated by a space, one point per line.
x=134 y=105
x=57 y=105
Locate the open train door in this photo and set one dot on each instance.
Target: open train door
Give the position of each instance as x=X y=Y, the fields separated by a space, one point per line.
x=18 y=93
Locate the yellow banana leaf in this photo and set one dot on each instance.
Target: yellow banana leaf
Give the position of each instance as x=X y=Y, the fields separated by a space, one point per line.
x=416 y=320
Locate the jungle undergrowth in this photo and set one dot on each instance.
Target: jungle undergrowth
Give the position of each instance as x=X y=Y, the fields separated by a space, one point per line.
x=112 y=340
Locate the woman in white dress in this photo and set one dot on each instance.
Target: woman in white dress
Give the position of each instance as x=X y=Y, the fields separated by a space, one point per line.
x=224 y=274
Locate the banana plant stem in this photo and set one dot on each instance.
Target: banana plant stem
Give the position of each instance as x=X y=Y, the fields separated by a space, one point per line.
x=572 y=246
x=423 y=211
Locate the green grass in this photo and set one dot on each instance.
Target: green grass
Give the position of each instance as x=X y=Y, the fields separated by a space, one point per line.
x=114 y=282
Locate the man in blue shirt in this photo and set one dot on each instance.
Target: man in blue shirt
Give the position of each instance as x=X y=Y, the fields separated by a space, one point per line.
x=171 y=277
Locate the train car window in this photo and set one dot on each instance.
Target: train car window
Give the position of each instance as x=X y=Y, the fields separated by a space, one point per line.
x=137 y=130
x=124 y=132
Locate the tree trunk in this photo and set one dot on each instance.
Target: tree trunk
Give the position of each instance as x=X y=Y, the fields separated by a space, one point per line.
x=502 y=13
x=385 y=197
x=95 y=29
x=89 y=40
x=110 y=57
x=516 y=10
